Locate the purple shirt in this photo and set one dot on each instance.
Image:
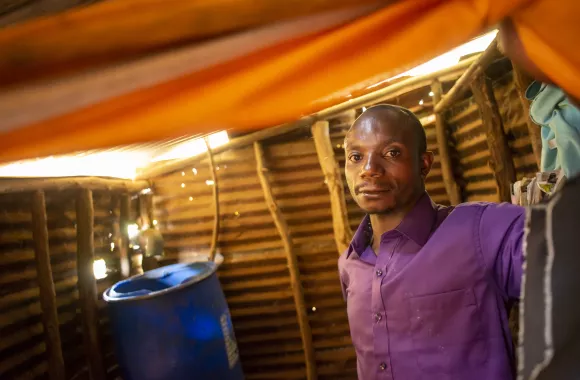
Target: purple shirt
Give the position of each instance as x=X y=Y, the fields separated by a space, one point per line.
x=433 y=303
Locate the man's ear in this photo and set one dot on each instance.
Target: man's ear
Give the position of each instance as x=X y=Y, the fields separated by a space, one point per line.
x=426 y=162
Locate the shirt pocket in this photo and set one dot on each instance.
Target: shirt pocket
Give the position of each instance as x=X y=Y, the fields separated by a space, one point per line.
x=447 y=332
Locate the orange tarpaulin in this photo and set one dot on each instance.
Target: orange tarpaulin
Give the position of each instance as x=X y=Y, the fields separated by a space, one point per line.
x=290 y=77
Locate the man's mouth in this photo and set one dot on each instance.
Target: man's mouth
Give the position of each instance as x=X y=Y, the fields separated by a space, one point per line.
x=373 y=192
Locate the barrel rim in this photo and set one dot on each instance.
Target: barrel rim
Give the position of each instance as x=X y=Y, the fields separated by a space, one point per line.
x=212 y=269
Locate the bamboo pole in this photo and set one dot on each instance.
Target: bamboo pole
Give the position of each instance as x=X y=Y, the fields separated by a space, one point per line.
x=521 y=82
x=46 y=288
x=489 y=55
x=145 y=209
x=501 y=160
x=333 y=178
x=216 y=202
x=124 y=251
x=295 y=283
x=87 y=284
x=388 y=92
x=451 y=187
x=16 y=185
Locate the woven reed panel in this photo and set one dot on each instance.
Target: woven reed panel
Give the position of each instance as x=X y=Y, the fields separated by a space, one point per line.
x=515 y=127
x=469 y=141
x=22 y=347
x=306 y=206
x=254 y=274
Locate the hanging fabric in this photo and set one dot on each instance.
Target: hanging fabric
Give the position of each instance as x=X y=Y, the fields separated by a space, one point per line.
x=560 y=122
x=549 y=315
x=302 y=71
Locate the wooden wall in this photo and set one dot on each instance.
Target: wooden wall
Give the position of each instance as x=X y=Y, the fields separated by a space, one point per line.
x=469 y=141
x=254 y=274
x=22 y=345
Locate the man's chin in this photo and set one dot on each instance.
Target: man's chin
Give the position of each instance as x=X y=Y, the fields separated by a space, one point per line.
x=377 y=208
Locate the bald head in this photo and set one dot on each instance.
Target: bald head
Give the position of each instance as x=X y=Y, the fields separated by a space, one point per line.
x=395 y=115
x=386 y=159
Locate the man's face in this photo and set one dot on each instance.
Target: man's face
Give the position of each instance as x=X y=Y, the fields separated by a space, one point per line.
x=384 y=170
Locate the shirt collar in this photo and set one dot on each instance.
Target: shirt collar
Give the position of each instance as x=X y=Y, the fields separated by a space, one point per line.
x=417 y=225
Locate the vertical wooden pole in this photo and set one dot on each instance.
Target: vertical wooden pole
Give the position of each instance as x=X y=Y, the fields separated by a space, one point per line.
x=146 y=215
x=87 y=284
x=451 y=187
x=216 y=203
x=124 y=217
x=325 y=152
x=50 y=322
x=521 y=82
x=295 y=283
x=501 y=160
x=145 y=206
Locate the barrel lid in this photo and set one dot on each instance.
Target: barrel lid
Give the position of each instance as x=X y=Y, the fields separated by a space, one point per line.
x=159 y=281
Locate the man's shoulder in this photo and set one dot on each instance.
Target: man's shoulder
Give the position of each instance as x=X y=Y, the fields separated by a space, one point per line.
x=343 y=256
x=490 y=207
x=487 y=215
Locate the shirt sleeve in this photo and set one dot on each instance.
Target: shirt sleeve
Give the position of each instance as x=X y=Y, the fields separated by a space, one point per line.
x=501 y=236
x=342 y=275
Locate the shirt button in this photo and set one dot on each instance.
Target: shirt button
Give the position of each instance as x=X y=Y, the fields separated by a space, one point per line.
x=378 y=317
x=383 y=366
x=379 y=273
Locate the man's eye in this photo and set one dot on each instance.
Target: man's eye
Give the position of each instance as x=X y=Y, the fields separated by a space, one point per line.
x=355 y=157
x=393 y=153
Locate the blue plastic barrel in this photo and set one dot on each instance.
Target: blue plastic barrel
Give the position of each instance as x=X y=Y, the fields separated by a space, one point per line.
x=173 y=323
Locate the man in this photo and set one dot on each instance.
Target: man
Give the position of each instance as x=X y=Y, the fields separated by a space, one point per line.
x=428 y=288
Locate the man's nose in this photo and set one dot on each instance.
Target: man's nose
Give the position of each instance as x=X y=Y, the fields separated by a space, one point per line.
x=372 y=167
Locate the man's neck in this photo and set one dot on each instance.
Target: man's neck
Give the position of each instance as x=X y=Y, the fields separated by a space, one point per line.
x=382 y=223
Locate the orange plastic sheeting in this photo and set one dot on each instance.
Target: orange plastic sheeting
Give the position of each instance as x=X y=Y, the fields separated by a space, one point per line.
x=283 y=83
x=110 y=31
x=550 y=31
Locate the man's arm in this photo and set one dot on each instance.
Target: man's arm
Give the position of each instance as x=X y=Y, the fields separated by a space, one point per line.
x=501 y=237
x=342 y=274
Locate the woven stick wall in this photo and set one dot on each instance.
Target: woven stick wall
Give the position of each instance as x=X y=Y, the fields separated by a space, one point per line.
x=22 y=345
x=470 y=142
x=254 y=274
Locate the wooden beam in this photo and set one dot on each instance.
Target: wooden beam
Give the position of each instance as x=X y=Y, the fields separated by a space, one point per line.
x=501 y=161
x=87 y=284
x=521 y=82
x=451 y=187
x=489 y=55
x=16 y=185
x=124 y=250
x=216 y=202
x=295 y=283
x=46 y=289
x=396 y=89
x=333 y=178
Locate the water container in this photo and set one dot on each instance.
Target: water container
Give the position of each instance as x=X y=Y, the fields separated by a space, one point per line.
x=173 y=323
